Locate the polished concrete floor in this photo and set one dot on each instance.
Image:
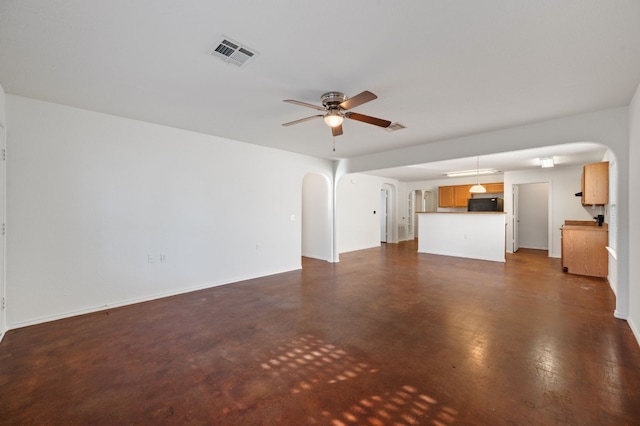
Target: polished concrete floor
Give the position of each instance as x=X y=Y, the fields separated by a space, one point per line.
x=385 y=337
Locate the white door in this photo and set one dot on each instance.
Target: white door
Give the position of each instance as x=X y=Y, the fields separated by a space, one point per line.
x=384 y=196
x=516 y=219
x=2 y=228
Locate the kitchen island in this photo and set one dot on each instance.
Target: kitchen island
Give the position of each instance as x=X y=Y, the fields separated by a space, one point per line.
x=476 y=235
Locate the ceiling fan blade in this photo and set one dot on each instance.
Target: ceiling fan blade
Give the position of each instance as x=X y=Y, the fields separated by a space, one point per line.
x=336 y=131
x=304 y=104
x=302 y=120
x=367 y=119
x=358 y=100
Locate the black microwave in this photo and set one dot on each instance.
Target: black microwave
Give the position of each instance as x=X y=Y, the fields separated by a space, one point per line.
x=485 y=204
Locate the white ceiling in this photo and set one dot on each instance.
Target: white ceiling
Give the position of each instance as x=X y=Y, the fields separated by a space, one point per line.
x=563 y=155
x=443 y=68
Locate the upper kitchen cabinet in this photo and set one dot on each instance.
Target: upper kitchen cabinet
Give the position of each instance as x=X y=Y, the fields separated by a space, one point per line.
x=494 y=188
x=595 y=183
x=453 y=196
x=457 y=195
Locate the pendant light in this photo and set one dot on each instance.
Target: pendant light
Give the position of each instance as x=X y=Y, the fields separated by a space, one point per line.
x=477 y=188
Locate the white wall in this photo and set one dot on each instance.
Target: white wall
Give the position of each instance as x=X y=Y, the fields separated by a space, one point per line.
x=533 y=216
x=90 y=196
x=317 y=214
x=358 y=197
x=634 y=206
x=3 y=120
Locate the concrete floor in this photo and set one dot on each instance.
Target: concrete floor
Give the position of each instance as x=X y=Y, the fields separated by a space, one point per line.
x=385 y=337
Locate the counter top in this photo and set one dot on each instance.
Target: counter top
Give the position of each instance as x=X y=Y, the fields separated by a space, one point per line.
x=594 y=228
x=585 y=225
x=461 y=212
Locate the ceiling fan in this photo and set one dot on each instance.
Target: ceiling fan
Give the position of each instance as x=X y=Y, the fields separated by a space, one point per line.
x=335 y=106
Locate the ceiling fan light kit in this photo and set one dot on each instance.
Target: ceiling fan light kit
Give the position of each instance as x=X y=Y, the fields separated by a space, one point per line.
x=333 y=118
x=335 y=106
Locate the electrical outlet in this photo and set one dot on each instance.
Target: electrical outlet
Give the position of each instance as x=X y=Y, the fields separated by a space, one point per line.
x=163 y=258
x=257 y=246
x=150 y=258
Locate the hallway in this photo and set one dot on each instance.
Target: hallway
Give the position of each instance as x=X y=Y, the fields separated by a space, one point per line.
x=387 y=336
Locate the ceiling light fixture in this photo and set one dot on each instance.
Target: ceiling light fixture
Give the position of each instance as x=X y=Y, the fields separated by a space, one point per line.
x=477 y=188
x=333 y=118
x=472 y=172
x=546 y=162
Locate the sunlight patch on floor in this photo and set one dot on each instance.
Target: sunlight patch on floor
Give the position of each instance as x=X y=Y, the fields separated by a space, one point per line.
x=319 y=363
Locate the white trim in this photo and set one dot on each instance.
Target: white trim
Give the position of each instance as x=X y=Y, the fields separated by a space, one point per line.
x=612 y=252
x=634 y=329
x=624 y=317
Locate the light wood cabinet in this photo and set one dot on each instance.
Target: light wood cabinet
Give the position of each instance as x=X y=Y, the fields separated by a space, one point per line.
x=494 y=188
x=457 y=195
x=453 y=196
x=461 y=194
x=584 y=250
x=595 y=183
x=445 y=196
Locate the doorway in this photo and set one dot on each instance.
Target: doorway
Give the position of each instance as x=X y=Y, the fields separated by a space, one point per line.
x=384 y=216
x=3 y=147
x=531 y=216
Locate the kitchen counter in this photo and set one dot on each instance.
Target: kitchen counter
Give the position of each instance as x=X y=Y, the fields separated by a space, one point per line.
x=461 y=213
x=476 y=235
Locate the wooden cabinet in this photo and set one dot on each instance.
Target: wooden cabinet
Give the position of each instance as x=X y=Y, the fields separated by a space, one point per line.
x=445 y=196
x=461 y=194
x=453 y=196
x=584 y=250
x=457 y=195
x=494 y=188
x=595 y=183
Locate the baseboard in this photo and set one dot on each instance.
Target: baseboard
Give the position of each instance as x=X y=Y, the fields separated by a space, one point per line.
x=635 y=330
x=318 y=257
x=148 y=298
x=618 y=315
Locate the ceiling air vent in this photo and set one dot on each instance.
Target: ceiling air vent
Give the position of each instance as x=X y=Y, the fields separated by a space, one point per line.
x=395 y=126
x=233 y=53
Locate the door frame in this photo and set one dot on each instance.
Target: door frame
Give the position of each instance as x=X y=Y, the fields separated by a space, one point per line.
x=384 y=215
x=3 y=192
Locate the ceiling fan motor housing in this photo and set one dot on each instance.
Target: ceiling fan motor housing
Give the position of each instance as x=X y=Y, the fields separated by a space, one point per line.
x=331 y=100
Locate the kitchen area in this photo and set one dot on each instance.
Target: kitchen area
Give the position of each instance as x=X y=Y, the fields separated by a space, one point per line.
x=475 y=225
x=585 y=243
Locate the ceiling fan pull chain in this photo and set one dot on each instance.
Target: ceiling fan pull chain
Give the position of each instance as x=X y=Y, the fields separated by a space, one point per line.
x=334 y=144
